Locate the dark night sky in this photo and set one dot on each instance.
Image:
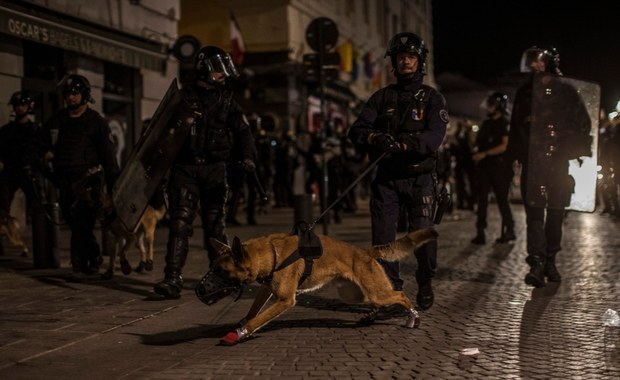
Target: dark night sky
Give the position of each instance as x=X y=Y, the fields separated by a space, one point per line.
x=484 y=39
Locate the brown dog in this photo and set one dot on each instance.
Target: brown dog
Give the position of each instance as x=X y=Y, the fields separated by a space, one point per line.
x=143 y=236
x=10 y=227
x=258 y=260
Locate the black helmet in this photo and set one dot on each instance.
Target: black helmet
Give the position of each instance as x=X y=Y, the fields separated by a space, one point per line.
x=210 y=59
x=406 y=42
x=498 y=100
x=77 y=84
x=550 y=56
x=22 y=97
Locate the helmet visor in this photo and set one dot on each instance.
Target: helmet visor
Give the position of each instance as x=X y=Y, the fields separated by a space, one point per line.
x=529 y=56
x=221 y=63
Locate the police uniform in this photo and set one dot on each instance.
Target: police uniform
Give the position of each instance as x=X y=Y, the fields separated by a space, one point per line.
x=493 y=171
x=546 y=185
x=199 y=174
x=84 y=161
x=22 y=148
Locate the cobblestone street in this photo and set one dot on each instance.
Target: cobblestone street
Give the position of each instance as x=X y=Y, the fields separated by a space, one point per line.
x=118 y=329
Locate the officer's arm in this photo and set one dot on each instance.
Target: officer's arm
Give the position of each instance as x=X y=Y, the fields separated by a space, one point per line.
x=242 y=134
x=361 y=129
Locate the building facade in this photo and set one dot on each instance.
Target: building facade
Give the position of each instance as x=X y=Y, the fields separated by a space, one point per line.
x=121 y=46
x=275 y=37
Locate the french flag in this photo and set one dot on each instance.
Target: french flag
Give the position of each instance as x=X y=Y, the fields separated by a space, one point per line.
x=236 y=41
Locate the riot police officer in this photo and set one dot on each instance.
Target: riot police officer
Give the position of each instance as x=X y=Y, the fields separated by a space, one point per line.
x=198 y=174
x=493 y=170
x=407 y=121
x=84 y=161
x=562 y=133
x=22 y=148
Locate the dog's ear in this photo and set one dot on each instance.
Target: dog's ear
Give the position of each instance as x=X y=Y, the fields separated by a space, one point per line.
x=237 y=251
x=220 y=247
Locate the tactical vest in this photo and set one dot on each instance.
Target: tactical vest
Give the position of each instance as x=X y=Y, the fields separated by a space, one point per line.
x=406 y=109
x=210 y=138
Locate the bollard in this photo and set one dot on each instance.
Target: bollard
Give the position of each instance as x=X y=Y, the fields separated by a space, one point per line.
x=302 y=204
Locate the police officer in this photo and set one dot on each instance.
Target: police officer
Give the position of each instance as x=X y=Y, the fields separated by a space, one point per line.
x=408 y=122
x=493 y=170
x=545 y=167
x=22 y=148
x=84 y=161
x=198 y=174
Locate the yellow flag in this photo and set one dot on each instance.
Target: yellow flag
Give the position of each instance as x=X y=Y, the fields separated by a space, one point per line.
x=346 y=56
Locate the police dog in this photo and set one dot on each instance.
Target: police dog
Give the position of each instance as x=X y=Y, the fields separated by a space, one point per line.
x=143 y=236
x=259 y=260
x=10 y=227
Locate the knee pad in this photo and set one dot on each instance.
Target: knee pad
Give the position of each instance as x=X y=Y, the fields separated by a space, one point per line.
x=181 y=222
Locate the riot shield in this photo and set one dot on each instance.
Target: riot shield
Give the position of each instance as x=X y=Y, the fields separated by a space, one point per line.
x=561 y=170
x=151 y=158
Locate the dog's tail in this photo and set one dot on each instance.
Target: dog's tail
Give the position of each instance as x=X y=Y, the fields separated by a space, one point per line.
x=406 y=245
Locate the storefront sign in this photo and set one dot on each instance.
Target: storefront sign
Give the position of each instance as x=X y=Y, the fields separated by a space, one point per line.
x=96 y=44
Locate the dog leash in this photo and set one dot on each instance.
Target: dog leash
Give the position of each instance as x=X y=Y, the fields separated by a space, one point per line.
x=351 y=186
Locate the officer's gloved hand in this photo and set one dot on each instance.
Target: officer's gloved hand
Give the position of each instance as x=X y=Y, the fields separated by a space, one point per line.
x=248 y=165
x=386 y=143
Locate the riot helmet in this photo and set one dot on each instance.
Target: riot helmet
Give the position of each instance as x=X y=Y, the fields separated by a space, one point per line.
x=406 y=42
x=211 y=59
x=22 y=97
x=498 y=100
x=550 y=57
x=77 y=84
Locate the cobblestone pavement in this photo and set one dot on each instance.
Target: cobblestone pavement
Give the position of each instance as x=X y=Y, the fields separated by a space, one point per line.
x=118 y=329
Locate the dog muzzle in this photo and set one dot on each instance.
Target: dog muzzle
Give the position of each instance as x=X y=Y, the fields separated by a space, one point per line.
x=213 y=287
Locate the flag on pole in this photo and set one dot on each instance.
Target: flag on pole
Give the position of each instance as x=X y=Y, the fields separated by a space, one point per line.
x=346 y=56
x=236 y=41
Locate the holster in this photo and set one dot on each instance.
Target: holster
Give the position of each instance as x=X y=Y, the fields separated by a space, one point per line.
x=441 y=205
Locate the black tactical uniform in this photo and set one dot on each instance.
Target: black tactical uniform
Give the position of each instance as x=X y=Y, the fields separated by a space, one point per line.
x=415 y=115
x=22 y=147
x=493 y=171
x=198 y=175
x=545 y=160
x=84 y=161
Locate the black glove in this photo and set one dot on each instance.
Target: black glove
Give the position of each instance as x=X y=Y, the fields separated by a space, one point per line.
x=386 y=143
x=248 y=165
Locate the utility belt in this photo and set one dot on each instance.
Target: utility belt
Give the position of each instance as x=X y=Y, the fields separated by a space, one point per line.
x=394 y=168
x=81 y=181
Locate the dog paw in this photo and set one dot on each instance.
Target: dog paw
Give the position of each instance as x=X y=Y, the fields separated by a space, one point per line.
x=141 y=267
x=125 y=267
x=148 y=265
x=230 y=339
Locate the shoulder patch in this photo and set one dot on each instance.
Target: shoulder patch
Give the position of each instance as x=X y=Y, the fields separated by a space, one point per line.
x=443 y=115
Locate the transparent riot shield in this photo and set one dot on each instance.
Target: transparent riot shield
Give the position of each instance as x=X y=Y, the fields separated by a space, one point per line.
x=151 y=158
x=561 y=169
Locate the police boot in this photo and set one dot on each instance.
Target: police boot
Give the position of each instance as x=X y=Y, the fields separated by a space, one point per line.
x=425 y=296
x=536 y=276
x=508 y=234
x=551 y=272
x=480 y=239
x=172 y=284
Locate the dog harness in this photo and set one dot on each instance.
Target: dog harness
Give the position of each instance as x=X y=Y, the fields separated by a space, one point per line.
x=309 y=248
